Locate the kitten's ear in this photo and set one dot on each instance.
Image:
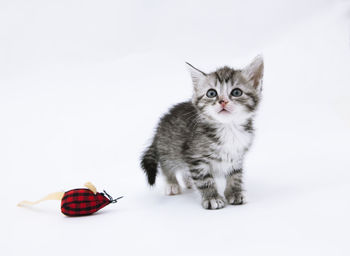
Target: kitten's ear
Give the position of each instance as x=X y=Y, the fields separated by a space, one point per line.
x=254 y=72
x=196 y=74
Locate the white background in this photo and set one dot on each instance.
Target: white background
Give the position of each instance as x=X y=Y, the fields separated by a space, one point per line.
x=83 y=84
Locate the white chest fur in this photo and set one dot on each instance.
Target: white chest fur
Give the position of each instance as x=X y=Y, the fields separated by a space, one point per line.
x=233 y=143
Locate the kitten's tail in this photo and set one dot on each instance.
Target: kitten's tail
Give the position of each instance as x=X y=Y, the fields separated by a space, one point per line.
x=149 y=163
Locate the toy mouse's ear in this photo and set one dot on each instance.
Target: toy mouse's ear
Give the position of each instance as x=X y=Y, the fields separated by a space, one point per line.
x=90 y=186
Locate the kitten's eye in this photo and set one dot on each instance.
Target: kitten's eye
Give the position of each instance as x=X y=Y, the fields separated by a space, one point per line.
x=236 y=92
x=211 y=93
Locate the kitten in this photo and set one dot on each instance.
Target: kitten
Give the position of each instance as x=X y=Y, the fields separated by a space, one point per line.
x=209 y=135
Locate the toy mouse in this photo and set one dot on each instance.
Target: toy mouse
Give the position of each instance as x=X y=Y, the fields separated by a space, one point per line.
x=78 y=202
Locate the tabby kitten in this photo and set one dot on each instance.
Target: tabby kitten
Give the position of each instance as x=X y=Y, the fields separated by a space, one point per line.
x=209 y=135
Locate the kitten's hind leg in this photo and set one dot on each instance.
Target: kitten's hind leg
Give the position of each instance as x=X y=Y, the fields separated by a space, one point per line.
x=172 y=185
x=172 y=189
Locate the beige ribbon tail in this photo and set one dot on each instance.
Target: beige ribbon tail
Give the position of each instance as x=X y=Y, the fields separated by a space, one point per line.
x=52 y=196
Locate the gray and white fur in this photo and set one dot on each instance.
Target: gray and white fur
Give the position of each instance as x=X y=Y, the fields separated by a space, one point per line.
x=209 y=135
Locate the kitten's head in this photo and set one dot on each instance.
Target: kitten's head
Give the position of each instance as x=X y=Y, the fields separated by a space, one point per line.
x=228 y=95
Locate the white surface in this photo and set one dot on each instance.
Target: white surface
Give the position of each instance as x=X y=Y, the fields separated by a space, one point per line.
x=82 y=85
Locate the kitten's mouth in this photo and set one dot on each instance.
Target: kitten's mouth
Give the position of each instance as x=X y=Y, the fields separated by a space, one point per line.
x=224 y=111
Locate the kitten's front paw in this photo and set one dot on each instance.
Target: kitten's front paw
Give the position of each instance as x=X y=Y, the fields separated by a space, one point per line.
x=172 y=189
x=213 y=203
x=235 y=198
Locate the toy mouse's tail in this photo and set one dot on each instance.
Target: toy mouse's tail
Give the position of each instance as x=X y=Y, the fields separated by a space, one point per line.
x=149 y=163
x=52 y=196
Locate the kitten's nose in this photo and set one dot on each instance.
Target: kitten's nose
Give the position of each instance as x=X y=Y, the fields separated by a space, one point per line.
x=223 y=102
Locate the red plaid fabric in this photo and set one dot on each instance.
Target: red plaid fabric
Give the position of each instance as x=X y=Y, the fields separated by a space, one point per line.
x=79 y=202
